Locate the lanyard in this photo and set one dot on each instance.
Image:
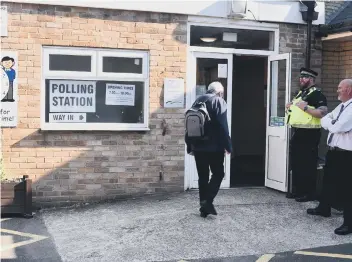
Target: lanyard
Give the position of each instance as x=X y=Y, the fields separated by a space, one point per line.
x=341 y=110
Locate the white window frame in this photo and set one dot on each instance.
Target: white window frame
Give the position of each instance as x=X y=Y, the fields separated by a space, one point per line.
x=96 y=75
x=68 y=51
x=126 y=54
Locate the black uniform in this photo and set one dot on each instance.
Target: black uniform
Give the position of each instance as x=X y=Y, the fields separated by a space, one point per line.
x=304 y=151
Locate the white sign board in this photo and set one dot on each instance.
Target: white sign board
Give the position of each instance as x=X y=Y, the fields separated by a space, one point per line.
x=3 y=20
x=8 y=89
x=222 y=70
x=72 y=96
x=120 y=95
x=68 y=117
x=174 y=92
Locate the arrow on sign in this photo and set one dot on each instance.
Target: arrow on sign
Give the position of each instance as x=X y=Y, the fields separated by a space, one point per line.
x=81 y=117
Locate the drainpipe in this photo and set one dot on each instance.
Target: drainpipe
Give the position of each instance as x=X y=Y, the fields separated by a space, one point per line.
x=309 y=42
x=308 y=15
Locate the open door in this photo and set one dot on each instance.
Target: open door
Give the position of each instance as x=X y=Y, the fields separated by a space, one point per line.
x=206 y=68
x=277 y=135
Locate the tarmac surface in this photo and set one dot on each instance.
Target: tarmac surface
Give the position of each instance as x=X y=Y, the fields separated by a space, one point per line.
x=255 y=224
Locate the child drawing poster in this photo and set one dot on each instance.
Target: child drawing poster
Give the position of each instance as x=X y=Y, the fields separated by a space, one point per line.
x=9 y=89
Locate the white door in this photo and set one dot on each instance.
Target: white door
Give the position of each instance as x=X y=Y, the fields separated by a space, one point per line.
x=277 y=139
x=204 y=69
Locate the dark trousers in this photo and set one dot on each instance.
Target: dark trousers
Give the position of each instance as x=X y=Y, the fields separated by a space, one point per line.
x=337 y=182
x=304 y=160
x=9 y=95
x=215 y=160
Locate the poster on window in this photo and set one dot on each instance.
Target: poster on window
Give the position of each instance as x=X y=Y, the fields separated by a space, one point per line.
x=72 y=96
x=120 y=95
x=9 y=89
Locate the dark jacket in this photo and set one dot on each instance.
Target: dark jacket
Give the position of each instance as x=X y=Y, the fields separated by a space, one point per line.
x=218 y=129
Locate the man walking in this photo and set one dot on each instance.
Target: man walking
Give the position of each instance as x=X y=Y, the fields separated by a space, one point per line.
x=207 y=138
x=338 y=168
x=303 y=115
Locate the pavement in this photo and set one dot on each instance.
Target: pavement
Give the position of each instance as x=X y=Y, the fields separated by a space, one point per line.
x=253 y=224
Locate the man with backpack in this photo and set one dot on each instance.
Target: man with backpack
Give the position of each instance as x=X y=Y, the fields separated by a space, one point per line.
x=207 y=138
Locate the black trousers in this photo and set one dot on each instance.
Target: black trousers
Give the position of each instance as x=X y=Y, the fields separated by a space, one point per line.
x=215 y=160
x=304 y=160
x=337 y=182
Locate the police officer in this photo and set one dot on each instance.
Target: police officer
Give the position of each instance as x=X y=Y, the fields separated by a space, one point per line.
x=303 y=114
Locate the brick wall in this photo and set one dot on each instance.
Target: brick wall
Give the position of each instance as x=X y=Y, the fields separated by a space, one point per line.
x=337 y=65
x=293 y=40
x=82 y=166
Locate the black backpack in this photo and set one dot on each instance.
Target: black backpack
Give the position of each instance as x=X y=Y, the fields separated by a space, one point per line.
x=197 y=120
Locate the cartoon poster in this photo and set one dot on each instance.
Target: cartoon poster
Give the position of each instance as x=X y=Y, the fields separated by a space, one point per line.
x=8 y=91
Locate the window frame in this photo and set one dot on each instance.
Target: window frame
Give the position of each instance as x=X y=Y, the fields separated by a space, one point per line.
x=125 y=54
x=94 y=75
x=66 y=51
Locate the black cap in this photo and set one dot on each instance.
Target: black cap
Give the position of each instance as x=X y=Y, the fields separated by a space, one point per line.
x=308 y=72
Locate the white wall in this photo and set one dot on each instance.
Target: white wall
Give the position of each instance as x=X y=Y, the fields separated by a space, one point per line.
x=284 y=11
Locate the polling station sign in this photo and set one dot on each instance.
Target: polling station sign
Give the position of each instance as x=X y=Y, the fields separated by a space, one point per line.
x=68 y=117
x=72 y=96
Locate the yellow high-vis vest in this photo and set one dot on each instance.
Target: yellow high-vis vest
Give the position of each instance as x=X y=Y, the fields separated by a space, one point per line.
x=297 y=118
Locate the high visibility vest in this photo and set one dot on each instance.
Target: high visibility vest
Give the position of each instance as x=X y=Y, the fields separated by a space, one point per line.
x=297 y=118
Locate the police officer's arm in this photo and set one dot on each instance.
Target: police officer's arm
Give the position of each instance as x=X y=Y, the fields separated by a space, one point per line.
x=319 y=102
x=221 y=115
x=320 y=112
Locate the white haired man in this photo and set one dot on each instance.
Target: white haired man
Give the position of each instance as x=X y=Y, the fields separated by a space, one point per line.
x=338 y=173
x=209 y=150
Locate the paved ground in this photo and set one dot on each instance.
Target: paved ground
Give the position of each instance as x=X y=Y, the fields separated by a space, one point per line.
x=252 y=225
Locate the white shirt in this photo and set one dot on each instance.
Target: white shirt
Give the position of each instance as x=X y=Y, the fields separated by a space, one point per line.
x=342 y=129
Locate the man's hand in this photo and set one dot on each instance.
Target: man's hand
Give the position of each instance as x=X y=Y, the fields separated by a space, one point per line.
x=288 y=105
x=301 y=105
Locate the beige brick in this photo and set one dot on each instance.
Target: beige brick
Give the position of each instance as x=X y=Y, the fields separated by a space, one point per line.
x=45 y=18
x=116 y=147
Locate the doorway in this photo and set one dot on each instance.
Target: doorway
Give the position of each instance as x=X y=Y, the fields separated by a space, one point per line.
x=248 y=131
x=258 y=131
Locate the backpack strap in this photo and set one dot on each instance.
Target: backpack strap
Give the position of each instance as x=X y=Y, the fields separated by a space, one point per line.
x=200 y=100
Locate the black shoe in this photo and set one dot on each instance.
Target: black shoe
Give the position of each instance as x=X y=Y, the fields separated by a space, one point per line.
x=207 y=208
x=343 y=230
x=212 y=210
x=304 y=199
x=203 y=214
x=319 y=212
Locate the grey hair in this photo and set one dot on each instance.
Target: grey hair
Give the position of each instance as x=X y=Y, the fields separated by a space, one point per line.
x=216 y=87
x=348 y=81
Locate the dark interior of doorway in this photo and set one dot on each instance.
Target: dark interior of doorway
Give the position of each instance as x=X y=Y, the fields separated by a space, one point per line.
x=248 y=130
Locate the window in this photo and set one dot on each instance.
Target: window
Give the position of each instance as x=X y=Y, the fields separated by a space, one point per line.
x=94 y=89
x=220 y=37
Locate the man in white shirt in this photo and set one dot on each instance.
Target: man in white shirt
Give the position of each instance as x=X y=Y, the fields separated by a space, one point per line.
x=338 y=168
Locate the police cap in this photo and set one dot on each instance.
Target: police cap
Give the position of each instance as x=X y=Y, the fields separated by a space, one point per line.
x=308 y=72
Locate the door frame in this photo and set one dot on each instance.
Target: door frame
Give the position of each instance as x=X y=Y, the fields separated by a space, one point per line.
x=191 y=70
x=227 y=163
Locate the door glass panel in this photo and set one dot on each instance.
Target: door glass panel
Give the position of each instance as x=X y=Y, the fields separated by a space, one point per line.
x=208 y=71
x=277 y=93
